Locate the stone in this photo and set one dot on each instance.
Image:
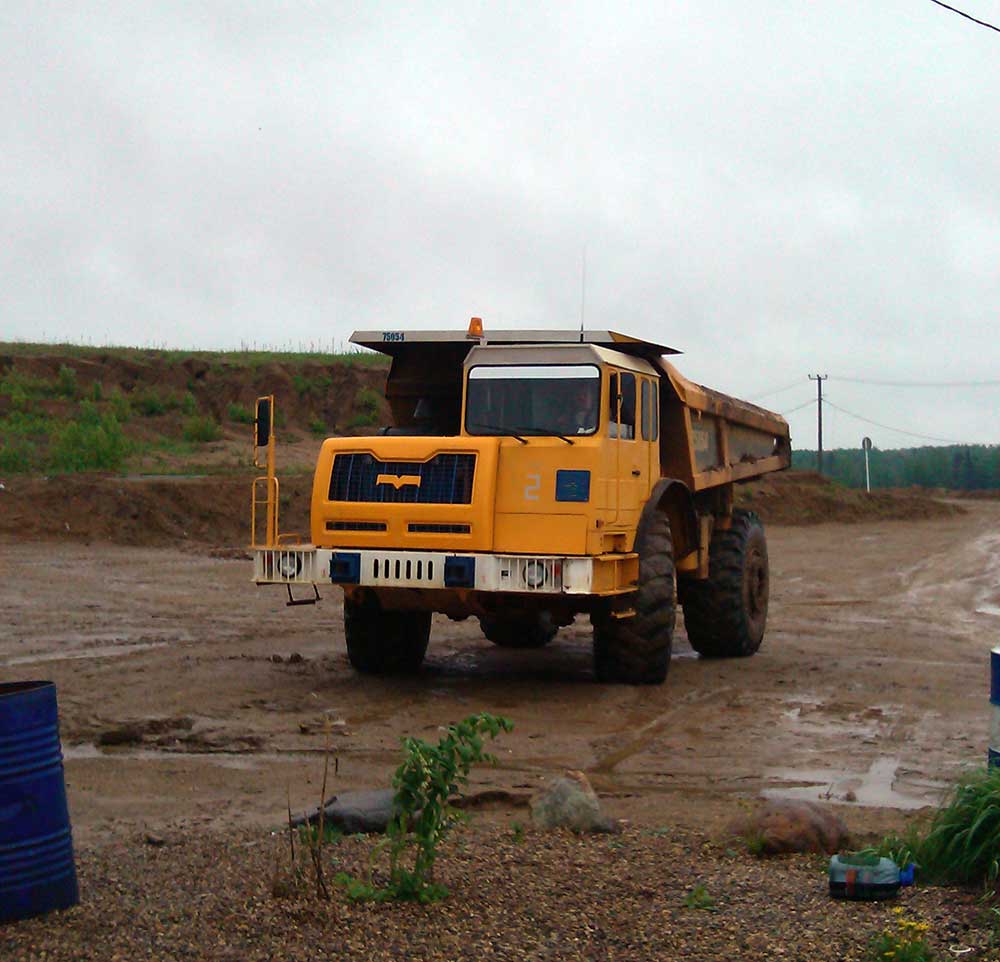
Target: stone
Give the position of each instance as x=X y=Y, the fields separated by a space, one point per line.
x=365 y=811
x=792 y=826
x=570 y=802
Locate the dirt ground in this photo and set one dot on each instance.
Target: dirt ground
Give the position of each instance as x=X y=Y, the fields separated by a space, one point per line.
x=870 y=689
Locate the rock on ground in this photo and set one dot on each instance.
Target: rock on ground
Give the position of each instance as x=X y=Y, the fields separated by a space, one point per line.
x=570 y=802
x=791 y=826
x=352 y=812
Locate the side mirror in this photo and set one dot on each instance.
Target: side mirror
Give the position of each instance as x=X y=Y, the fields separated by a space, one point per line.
x=262 y=431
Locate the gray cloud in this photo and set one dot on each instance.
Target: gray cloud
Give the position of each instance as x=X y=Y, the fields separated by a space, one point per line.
x=776 y=191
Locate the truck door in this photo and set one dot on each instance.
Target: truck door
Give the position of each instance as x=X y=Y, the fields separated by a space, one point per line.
x=649 y=427
x=631 y=456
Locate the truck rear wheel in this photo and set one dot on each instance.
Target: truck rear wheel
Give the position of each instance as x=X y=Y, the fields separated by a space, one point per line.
x=523 y=631
x=636 y=650
x=383 y=642
x=725 y=616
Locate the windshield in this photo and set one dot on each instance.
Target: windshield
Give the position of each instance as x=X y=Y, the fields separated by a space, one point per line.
x=552 y=399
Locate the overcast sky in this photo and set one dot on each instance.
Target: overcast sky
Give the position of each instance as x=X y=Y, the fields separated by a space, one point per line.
x=776 y=189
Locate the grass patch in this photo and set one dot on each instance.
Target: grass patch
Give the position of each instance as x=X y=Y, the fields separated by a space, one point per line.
x=317 y=426
x=311 y=386
x=698 y=898
x=66 y=385
x=201 y=429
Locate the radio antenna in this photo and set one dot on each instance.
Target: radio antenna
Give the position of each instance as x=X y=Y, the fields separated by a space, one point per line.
x=583 y=287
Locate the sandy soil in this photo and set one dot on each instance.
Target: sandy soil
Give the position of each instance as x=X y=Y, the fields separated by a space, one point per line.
x=872 y=684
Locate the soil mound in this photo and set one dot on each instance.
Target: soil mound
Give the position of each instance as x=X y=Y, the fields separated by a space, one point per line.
x=805 y=497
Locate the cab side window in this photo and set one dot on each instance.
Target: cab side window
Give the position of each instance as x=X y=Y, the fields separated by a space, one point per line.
x=622 y=425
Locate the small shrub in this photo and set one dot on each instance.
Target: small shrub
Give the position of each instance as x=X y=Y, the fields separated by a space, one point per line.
x=428 y=777
x=17 y=456
x=89 y=445
x=201 y=429
x=367 y=401
x=517 y=833
x=121 y=407
x=698 y=898
x=361 y=421
x=189 y=404
x=904 y=942
x=150 y=404
x=239 y=413
x=311 y=387
x=97 y=392
x=318 y=427
x=66 y=385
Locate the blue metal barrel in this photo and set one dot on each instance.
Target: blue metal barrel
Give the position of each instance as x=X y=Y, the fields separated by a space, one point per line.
x=37 y=873
x=993 y=755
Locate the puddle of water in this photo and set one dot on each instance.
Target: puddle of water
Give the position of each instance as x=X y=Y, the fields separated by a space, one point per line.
x=882 y=786
x=98 y=651
x=245 y=761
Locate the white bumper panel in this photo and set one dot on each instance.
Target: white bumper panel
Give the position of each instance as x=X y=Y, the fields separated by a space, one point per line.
x=304 y=564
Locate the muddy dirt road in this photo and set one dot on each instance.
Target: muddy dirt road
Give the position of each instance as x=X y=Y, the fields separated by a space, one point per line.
x=870 y=689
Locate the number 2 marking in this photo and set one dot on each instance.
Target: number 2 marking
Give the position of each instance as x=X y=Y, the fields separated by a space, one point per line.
x=532 y=487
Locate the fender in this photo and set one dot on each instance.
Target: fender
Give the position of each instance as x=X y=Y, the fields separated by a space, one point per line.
x=674 y=497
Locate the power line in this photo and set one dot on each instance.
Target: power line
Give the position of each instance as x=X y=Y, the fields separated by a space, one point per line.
x=931 y=384
x=780 y=390
x=967 y=16
x=804 y=404
x=889 y=427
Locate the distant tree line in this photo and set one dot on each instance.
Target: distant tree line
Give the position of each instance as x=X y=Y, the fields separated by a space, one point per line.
x=960 y=467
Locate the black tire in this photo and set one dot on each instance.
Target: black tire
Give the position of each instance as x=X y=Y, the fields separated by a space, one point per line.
x=385 y=642
x=725 y=616
x=522 y=631
x=636 y=650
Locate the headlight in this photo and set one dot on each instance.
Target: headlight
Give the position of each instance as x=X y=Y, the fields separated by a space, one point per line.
x=534 y=574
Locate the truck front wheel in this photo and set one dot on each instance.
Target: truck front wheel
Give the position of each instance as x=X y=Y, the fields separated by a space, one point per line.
x=725 y=615
x=635 y=650
x=381 y=642
x=522 y=631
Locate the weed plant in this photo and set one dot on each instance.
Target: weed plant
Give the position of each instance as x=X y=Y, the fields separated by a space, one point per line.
x=201 y=429
x=95 y=442
x=239 y=413
x=66 y=385
x=902 y=942
x=962 y=841
x=428 y=778
x=698 y=898
x=318 y=427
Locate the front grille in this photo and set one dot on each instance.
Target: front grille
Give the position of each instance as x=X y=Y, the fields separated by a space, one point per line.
x=355 y=526
x=418 y=528
x=444 y=479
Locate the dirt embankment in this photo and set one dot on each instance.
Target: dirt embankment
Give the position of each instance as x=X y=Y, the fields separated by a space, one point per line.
x=805 y=497
x=215 y=511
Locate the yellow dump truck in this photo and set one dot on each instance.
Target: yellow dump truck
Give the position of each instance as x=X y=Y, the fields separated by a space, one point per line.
x=530 y=477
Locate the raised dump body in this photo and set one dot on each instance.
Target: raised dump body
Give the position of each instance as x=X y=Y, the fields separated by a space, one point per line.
x=530 y=477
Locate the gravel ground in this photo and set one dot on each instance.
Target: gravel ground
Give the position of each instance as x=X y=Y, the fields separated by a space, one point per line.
x=534 y=895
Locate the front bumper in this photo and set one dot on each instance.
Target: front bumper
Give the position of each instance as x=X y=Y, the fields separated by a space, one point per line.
x=531 y=574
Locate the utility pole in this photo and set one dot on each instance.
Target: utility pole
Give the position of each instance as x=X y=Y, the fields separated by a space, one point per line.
x=819 y=379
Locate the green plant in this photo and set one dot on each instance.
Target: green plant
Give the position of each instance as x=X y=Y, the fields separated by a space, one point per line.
x=97 y=391
x=962 y=842
x=315 y=386
x=121 y=407
x=150 y=404
x=318 y=427
x=189 y=404
x=66 y=385
x=239 y=413
x=756 y=843
x=698 y=898
x=367 y=401
x=904 y=942
x=201 y=429
x=428 y=778
x=93 y=443
x=17 y=456
x=517 y=832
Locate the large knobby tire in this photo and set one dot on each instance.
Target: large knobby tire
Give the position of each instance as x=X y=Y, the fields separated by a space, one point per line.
x=383 y=642
x=521 y=631
x=636 y=650
x=725 y=616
